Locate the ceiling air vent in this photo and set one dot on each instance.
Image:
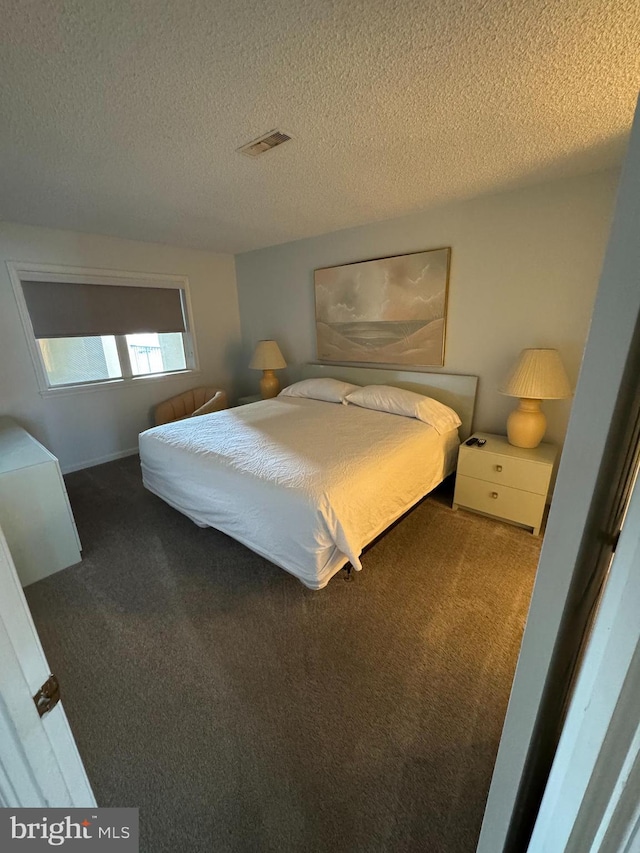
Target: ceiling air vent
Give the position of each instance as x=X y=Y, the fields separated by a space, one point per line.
x=264 y=143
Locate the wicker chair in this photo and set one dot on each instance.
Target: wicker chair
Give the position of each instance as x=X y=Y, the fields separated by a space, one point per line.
x=197 y=401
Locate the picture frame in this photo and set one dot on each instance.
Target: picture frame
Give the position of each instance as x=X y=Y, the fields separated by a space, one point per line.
x=390 y=310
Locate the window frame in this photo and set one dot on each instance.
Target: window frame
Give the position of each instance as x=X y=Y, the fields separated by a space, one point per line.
x=19 y=271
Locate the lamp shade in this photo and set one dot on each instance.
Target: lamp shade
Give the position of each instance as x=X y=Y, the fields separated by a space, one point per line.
x=267 y=356
x=537 y=375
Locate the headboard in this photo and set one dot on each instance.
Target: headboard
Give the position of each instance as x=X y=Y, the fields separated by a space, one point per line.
x=455 y=390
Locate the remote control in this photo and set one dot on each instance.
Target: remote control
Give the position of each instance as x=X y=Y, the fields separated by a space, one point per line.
x=471 y=441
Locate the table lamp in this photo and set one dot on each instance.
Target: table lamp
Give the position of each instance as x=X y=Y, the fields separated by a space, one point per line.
x=267 y=358
x=537 y=375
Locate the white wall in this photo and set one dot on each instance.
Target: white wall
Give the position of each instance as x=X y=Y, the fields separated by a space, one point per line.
x=89 y=427
x=524 y=272
x=581 y=513
x=525 y=266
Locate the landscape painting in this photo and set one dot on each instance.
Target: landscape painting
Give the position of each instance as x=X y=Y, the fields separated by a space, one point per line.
x=389 y=311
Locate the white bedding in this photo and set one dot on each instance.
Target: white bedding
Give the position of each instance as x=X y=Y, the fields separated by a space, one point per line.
x=306 y=484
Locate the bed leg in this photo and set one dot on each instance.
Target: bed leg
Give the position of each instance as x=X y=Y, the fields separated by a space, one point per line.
x=348 y=569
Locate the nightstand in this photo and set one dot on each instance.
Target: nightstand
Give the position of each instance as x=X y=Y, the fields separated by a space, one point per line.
x=252 y=398
x=507 y=482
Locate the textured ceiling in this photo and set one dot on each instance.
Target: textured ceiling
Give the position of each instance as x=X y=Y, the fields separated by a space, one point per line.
x=123 y=118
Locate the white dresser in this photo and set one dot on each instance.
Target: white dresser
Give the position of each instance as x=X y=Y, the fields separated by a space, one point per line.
x=511 y=483
x=35 y=514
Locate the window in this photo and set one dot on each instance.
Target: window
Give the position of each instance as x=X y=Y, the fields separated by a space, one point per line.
x=90 y=328
x=70 y=361
x=156 y=353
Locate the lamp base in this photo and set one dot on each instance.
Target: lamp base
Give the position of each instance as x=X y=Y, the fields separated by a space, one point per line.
x=527 y=424
x=269 y=385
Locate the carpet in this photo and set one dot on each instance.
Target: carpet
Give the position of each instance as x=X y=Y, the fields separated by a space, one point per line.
x=242 y=712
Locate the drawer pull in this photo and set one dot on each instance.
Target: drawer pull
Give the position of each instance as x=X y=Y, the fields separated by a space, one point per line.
x=498 y=468
x=494 y=495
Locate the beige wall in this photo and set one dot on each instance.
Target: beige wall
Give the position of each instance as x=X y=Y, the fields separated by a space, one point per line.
x=89 y=427
x=525 y=268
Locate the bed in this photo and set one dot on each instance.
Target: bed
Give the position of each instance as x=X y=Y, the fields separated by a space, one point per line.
x=307 y=483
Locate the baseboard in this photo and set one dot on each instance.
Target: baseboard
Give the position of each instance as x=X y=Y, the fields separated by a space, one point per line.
x=99 y=460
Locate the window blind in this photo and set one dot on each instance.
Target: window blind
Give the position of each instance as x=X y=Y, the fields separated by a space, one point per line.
x=70 y=310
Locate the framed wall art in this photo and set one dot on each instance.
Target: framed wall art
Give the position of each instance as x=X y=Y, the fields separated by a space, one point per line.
x=387 y=311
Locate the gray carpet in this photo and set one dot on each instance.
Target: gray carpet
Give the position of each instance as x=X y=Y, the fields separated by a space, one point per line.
x=242 y=712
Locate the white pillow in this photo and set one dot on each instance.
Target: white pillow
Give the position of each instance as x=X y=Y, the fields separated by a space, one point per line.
x=215 y=404
x=397 y=401
x=329 y=390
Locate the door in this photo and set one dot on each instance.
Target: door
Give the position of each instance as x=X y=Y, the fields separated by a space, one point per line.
x=39 y=762
x=591 y=799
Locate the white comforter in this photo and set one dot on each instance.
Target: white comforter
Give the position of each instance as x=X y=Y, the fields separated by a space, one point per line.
x=304 y=483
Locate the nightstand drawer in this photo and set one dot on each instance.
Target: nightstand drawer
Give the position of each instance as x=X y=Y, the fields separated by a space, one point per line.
x=504 y=470
x=507 y=503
